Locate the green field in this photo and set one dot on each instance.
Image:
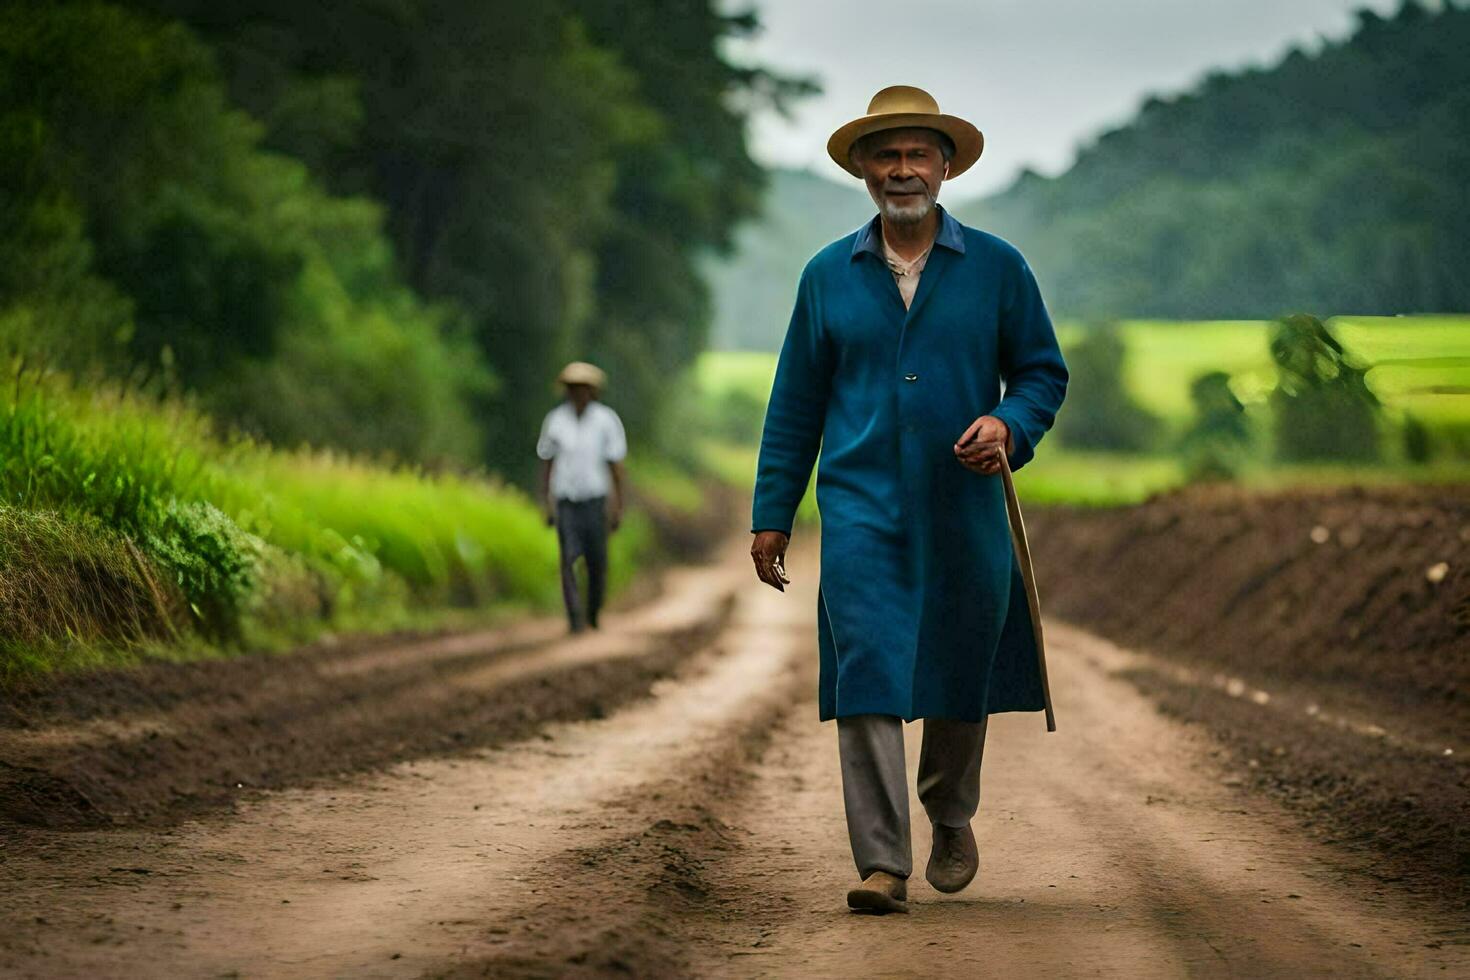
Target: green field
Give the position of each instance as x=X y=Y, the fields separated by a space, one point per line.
x=717 y=373
x=1418 y=365
x=1164 y=357
x=1421 y=364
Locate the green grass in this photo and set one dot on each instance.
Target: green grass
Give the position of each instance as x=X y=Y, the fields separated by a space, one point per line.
x=1421 y=365
x=1383 y=338
x=1164 y=358
x=717 y=372
x=1448 y=471
x=1065 y=476
x=675 y=487
x=251 y=545
x=1412 y=355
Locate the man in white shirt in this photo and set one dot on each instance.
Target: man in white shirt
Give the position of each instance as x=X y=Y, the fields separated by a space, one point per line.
x=582 y=445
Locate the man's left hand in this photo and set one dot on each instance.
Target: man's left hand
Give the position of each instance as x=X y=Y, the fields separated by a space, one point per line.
x=614 y=516
x=978 y=448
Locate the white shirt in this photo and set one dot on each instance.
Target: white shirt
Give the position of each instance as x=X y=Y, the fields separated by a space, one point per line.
x=906 y=274
x=581 y=448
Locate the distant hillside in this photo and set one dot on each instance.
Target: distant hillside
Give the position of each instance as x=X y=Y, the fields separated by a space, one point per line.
x=1333 y=182
x=752 y=292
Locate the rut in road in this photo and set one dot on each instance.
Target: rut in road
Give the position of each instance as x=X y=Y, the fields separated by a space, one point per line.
x=701 y=833
x=164 y=741
x=1120 y=846
x=413 y=869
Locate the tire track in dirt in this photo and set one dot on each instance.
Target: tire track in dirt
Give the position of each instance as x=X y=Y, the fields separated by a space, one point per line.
x=1118 y=847
x=264 y=722
x=406 y=871
x=700 y=833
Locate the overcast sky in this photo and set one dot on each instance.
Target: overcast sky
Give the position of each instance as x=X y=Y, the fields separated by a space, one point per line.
x=1037 y=77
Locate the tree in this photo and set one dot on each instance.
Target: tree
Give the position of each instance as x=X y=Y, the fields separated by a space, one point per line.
x=554 y=169
x=145 y=194
x=1217 y=438
x=1101 y=413
x=1323 y=407
x=1330 y=181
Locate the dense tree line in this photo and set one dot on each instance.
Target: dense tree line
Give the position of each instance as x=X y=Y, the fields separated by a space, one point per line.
x=373 y=223
x=1332 y=181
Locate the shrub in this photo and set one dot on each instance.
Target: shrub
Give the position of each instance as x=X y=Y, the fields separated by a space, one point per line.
x=213 y=563
x=1322 y=406
x=1216 y=440
x=1100 y=412
x=1418 y=443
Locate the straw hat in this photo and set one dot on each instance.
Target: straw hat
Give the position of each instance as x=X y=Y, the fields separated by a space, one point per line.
x=582 y=373
x=901 y=106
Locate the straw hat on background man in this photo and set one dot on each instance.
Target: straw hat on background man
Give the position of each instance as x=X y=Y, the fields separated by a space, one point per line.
x=582 y=373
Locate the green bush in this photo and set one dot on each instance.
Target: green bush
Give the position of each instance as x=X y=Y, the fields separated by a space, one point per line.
x=1418 y=442
x=1216 y=442
x=213 y=563
x=1101 y=413
x=735 y=415
x=1322 y=406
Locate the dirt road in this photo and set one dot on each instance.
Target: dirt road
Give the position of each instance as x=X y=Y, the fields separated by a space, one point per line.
x=699 y=832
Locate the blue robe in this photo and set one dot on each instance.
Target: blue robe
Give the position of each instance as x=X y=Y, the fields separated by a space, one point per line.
x=921 y=611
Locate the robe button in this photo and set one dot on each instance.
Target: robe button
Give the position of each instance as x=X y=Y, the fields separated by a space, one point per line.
x=911 y=377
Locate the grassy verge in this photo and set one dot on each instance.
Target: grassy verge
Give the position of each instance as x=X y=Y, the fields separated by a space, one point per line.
x=130 y=528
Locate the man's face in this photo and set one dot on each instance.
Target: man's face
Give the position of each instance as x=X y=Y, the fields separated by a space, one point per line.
x=579 y=394
x=903 y=169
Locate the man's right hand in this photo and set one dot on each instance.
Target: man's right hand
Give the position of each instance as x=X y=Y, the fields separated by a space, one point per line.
x=550 y=517
x=764 y=550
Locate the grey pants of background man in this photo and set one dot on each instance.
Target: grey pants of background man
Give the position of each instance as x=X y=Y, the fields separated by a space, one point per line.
x=581 y=529
x=876 y=794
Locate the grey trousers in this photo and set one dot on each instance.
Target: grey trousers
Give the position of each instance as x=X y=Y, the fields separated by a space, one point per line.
x=581 y=530
x=875 y=790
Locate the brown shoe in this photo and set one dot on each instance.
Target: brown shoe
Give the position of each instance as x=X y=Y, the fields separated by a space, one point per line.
x=880 y=892
x=954 y=859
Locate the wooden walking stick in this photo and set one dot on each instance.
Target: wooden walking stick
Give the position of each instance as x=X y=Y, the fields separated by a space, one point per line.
x=1028 y=575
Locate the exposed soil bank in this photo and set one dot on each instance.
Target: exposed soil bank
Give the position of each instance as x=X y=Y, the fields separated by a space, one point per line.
x=164 y=741
x=570 y=847
x=1324 y=634
x=700 y=833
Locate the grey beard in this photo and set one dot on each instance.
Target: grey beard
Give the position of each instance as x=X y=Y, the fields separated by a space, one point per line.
x=910 y=214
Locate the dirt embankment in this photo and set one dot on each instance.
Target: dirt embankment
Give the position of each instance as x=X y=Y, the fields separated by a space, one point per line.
x=1325 y=635
x=160 y=742
x=699 y=832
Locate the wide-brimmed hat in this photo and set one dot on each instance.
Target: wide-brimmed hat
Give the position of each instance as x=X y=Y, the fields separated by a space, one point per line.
x=899 y=107
x=582 y=373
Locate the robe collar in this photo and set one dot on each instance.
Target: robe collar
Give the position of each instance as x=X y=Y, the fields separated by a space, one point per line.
x=870 y=237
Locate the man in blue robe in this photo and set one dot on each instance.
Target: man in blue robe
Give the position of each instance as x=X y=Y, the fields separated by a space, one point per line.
x=901 y=338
